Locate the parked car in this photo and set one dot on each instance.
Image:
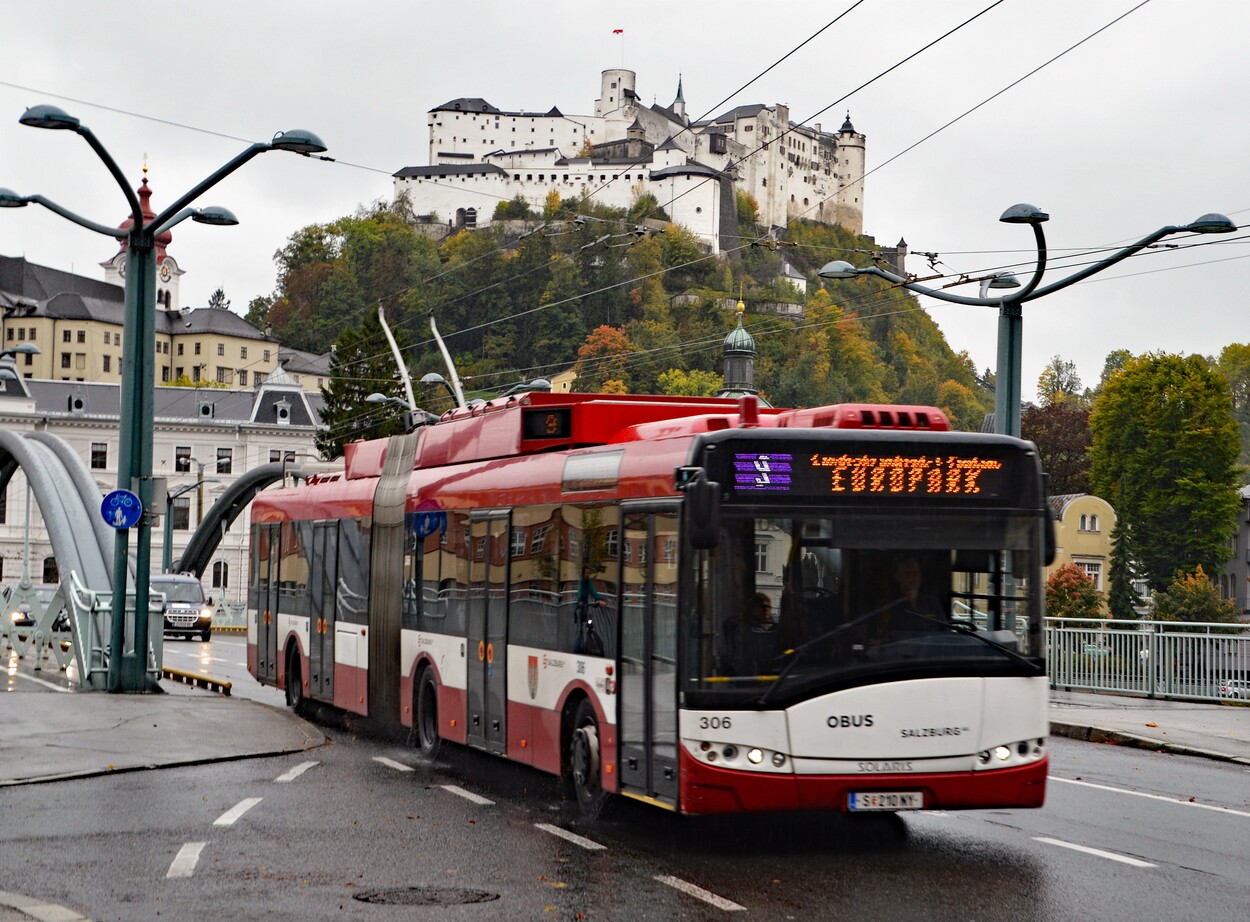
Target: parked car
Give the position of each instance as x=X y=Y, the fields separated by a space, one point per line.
x=188 y=612
x=1235 y=688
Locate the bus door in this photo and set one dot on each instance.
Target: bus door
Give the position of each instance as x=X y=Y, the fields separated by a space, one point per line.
x=487 y=631
x=325 y=550
x=648 y=665
x=265 y=551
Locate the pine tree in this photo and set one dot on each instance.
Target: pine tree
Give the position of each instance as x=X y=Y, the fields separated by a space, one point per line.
x=361 y=364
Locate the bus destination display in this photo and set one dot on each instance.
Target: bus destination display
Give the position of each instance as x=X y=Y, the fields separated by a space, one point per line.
x=862 y=472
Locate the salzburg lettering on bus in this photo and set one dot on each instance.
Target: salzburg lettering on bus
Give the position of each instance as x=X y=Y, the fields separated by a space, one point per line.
x=943 y=476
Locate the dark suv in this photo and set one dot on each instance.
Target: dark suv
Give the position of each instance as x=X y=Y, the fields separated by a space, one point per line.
x=188 y=613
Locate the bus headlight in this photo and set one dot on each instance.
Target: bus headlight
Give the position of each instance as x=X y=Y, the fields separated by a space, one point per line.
x=1002 y=753
x=755 y=756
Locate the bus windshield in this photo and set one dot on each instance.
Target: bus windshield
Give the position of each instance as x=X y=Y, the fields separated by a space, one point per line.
x=792 y=605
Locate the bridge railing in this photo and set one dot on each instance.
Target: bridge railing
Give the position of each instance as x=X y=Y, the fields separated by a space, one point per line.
x=1157 y=659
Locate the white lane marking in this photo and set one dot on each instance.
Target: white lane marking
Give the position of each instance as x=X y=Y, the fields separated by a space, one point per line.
x=186 y=859
x=294 y=773
x=571 y=837
x=231 y=816
x=699 y=893
x=1166 y=800
x=468 y=795
x=1085 y=849
x=391 y=763
x=31 y=678
x=37 y=909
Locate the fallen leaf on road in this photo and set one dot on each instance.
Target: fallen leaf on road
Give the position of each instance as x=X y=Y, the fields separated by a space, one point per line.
x=1152 y=724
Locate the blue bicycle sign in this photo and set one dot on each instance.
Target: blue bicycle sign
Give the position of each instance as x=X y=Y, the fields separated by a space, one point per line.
x=121 y=509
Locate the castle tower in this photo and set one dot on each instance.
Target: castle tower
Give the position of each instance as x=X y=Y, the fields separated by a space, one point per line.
x=167 y=272
x=851 y=165
x=616 y=91
x=679 y=104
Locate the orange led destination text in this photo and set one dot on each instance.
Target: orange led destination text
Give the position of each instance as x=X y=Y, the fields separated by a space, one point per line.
x=935 y=476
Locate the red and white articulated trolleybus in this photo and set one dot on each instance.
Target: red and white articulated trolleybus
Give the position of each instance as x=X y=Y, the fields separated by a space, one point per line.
x=698 y=603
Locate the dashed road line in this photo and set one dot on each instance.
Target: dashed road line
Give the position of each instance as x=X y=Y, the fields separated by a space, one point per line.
x=294 y=773
x=38 y=909
x=468 y=795
x=1166 y=800
x=573 y=837
x=391 y=763
x=1098 y=852
x=231 y=816
x=700 y=894
x=185 y=861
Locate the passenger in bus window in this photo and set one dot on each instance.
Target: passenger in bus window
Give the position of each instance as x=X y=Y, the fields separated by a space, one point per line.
x=750 y=644
x=587 y=640
x=912 y=601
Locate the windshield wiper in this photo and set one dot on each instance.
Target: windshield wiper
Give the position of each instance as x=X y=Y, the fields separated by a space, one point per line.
x=970 y=631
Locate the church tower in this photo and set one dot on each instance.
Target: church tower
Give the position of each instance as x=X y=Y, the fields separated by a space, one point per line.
x=167 y=272
x=740 y=362
x=679 y=104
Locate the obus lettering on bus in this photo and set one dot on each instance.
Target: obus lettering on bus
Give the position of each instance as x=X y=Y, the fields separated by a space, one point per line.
x=837 y=721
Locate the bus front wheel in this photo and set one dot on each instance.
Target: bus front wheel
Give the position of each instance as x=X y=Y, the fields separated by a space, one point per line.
x=585 y=762
x=428 y=738
x=294 y=681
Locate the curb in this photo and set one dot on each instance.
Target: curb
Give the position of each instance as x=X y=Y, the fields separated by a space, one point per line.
x=199 y=681
x=1117 y=738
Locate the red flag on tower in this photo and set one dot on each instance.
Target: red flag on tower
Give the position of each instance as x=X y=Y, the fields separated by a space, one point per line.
x=618 y=31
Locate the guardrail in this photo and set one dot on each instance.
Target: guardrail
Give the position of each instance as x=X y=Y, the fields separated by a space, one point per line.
x=1155 y=659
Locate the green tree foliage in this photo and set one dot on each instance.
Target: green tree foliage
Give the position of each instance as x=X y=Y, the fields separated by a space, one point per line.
x=361 y=365
x=1164 y=455
x=1059 y=383
x=1060 y=429
x=1192 y=597
x=1234 y=365
x=678 y=383
x=1122 y=599
x=1070 y=593
x=218 y=300
x=513 y=209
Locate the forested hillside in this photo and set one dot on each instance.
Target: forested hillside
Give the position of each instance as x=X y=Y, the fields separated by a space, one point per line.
x=644 y=311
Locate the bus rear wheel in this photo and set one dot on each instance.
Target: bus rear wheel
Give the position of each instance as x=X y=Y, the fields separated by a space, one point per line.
x=585 y=762
x=294 y=682
x=428 y=739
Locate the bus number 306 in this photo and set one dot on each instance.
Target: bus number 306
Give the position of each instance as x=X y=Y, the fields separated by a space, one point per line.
x=715 y=723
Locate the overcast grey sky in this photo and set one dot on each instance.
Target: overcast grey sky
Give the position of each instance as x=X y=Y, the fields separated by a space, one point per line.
x=1144 y=125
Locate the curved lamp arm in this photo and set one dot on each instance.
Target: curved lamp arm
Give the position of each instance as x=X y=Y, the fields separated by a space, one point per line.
x=118 y=233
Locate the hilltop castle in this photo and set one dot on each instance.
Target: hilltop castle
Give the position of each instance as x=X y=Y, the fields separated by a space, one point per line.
x=480 y=155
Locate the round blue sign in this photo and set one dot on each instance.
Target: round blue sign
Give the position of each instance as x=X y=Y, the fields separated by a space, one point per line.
x=426 y=523
x=121 y=509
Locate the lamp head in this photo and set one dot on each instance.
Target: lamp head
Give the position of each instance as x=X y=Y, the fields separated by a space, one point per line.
x=377 y=398
x=838 y=269
x=25 y=349
x=433 y=378
x=10 y=199
x=1004 y=280
x=1024 y=214
x=215 y=214
x=1211 y=223
x=45 y=116
x=298 y=141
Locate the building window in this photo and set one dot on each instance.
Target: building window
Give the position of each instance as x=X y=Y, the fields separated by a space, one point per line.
x=67 y=336
x=221 y=376
x=243 y=352
x=225 y=460
x=243 y=377
x=108 y=337
x=517 y=547
x=164 y=372
x=612 y=543
x=180 y=512
x=221 y=575
x=51 y=573
x=197 y=348
x=266 y=355
x=108 y=362
x=99 y=456
x=761 y=557
x=275 y=454
x=1092 y=569
x=180 y=345
x=182 y=459
x=82 y=336
x=66 y=360
x=539 y=539
x=221 y=348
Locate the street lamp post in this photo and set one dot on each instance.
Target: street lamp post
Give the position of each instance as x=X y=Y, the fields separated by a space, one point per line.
x=1010 y=316
x=167 y=550
x=128 y=669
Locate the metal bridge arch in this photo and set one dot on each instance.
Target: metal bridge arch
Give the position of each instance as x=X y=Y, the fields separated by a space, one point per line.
x=221 y=515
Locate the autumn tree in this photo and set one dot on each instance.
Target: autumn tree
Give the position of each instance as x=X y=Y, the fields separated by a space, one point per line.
x=1164 y=455
x=1059 y=383
x=603 y=362
x=1192 y=597
x=1070 y=593
x=1061 y=432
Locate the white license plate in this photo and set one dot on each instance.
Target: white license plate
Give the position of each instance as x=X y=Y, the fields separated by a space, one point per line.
x=886 y=800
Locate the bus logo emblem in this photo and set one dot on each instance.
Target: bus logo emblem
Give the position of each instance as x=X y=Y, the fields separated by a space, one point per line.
x=533 y=676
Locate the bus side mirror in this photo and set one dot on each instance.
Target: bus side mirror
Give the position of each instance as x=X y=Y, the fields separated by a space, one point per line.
x=703 y=513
